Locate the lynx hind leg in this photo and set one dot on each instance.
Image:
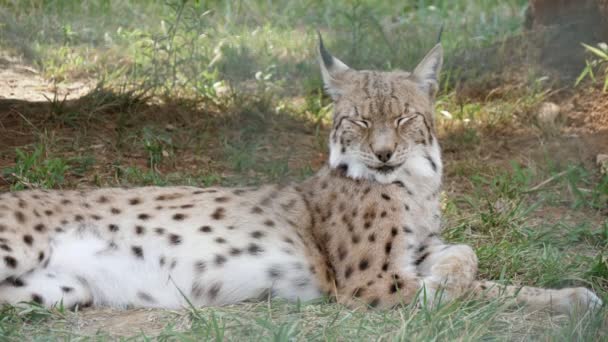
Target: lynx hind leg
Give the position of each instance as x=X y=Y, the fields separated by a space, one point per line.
x=47 y=288
x=567 y=300
x=21 y=253
x=447 y=271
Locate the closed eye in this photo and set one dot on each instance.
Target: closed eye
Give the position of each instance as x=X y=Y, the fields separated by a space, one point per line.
x=361 y=123
x=404 y=119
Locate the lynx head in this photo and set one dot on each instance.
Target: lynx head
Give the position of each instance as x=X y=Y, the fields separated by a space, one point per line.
x=383 y=123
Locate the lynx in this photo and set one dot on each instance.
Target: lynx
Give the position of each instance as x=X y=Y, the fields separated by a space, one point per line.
x=365 y=230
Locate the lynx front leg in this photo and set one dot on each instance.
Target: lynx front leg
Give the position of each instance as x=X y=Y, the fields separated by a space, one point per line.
x=567 y=300
x=447 y=271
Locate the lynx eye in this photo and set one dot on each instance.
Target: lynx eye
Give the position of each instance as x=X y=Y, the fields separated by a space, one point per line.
x=402 y=120
x=361 y=123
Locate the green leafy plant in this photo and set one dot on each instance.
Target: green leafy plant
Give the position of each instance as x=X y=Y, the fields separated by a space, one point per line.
x=34 y=170
x=599 y=62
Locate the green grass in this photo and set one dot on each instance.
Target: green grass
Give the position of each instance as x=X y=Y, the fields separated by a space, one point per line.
x=228 y=93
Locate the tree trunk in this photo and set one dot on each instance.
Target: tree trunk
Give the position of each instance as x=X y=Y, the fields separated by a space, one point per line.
x=564 y=25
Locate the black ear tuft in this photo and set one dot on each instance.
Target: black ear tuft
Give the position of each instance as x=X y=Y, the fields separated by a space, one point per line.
x=332 y=70
x=439 y=34
x=327 y=58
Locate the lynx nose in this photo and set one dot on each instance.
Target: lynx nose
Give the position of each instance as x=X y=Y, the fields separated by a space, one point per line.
x=384 y=155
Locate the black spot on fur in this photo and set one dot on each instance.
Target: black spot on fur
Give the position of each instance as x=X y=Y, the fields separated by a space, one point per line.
x=145 y=297
x=342 y=252
x=67 y=289
x=40 y=256
x=394 y=231
x=113 y=227
x=256 y=210
x=342 y=169
x=6 y=248
x=385 y=197
x=235 y=251
x=374 y=302
x=134 y=201
x=257 y=234
x=388 y=247
x=16 y=282
x=10 y=261
x=197 y=289
x=432 y=162
x=200 y=266
x=363 y=264
x=179 y=217
x=371 y=237
x=214 y=291
x=421 y=259
x=143 y=217
x=48 y=212
x=175 y=239
x=115 y=211
x=102 y=199
x=138 y=251
x=205 y=229
x=220 y=260
x=20 y=217
x=275 y=272
x=222 y=199
x=220 y=240
x=254 y=249
x=219 y=213
x=36 y=298
x=139 y=230
x=159 y=231
x=348 y=272
x=407 y=230
x=269 y=223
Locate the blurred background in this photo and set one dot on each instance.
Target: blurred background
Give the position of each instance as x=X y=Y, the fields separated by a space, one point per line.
x=128 y=93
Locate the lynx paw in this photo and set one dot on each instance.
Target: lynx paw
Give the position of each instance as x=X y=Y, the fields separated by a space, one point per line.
x=580 y=299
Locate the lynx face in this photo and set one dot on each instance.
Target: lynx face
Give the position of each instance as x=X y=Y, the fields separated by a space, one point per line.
x=383 y=121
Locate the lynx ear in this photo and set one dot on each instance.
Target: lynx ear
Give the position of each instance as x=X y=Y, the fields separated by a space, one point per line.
x=332 y=70
x=427 y=71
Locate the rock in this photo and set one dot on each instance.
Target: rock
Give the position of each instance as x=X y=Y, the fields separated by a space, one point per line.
x=602 y=162
x=548 y=115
